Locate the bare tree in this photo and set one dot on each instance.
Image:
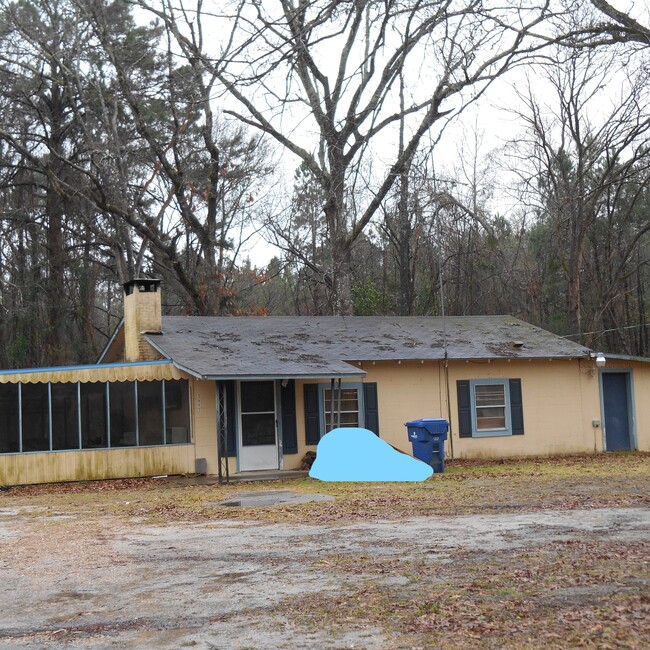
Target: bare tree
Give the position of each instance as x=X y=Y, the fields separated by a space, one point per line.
x=322 y=78
x=584 y=162
x=623 y=27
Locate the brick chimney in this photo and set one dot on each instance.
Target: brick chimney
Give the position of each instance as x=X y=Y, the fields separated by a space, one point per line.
x=142 y=315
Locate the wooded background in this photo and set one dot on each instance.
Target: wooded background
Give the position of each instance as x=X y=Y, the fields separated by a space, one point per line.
x=160 y=138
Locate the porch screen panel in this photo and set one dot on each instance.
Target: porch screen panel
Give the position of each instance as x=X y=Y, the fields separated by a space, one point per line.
x=150 y=412
x=93 y=416
x=177 y=412
x=65 y=417
x=123 y=418
x=9 y=435
x=36 y=417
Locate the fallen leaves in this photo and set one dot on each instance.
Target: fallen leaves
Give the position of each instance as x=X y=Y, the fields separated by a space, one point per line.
x=467 y=487
x=511 y=600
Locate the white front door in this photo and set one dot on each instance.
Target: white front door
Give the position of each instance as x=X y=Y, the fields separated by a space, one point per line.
x=258 y=440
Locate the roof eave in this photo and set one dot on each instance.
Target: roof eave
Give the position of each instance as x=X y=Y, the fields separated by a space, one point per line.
x=331 y=375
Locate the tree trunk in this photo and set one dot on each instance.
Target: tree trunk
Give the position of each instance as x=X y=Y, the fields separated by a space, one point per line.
x=55 y=326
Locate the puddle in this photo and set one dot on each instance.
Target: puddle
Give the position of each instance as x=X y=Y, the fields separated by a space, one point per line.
x=270 y=498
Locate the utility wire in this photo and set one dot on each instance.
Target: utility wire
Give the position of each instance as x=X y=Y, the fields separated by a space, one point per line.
x=615 y=329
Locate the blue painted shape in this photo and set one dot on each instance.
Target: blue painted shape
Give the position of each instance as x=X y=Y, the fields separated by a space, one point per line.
x=352 y=454
x=617 y=419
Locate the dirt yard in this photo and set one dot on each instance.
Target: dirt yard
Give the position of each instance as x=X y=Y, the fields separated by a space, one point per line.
x=536 y=554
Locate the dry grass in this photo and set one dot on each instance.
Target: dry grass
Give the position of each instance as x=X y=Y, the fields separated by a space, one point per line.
x=590 y=592
x=566 y=594
x=466 y=487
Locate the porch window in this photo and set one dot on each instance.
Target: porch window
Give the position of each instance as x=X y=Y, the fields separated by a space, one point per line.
x=93 y=416
x=177 y=412
x=150 y=413
x=35 y=417
x=65 y=416
x=9 y=419
x=100 y=415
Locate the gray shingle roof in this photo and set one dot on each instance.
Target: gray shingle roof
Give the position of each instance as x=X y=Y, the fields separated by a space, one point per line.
x=322 y=346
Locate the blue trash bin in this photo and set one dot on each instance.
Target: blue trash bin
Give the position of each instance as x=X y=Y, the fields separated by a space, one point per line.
x=428 y=437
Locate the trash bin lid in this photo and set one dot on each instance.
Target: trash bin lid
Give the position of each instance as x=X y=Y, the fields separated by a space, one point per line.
x=423 y=422
x=436 y=425
x=414 y=423
x=432 y=425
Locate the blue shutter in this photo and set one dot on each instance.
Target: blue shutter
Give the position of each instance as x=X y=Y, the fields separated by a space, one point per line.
x=288 y=405
x=231 y=418
x=312 y=415
x=464 y=409
x=371 y=407
x=516 y=408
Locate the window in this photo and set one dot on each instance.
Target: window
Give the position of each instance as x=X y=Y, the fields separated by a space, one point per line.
x=341 y=408
x=359 y=407
x=490 y=407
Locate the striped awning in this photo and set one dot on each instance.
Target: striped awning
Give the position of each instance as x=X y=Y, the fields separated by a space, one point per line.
x=141 y=371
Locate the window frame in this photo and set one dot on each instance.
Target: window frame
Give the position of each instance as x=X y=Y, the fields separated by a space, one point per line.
x=322 y=387
x=490 y=433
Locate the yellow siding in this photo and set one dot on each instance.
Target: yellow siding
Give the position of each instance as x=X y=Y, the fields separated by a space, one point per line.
x=641 y=379
x=51 y=467
x=204 y=423
x=406 y=391
x=292 y=461
x=561 y=399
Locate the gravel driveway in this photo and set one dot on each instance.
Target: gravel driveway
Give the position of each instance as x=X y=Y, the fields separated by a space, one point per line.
x=231 y=584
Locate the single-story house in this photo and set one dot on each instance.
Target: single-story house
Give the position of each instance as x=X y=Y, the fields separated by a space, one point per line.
x=183 y=394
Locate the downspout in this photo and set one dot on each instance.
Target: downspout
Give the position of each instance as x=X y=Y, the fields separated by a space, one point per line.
x=451 y=437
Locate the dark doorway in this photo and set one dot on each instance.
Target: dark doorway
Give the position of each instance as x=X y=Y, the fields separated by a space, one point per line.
x=616 y=407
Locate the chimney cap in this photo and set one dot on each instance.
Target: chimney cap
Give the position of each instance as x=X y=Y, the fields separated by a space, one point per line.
x=144 y=285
